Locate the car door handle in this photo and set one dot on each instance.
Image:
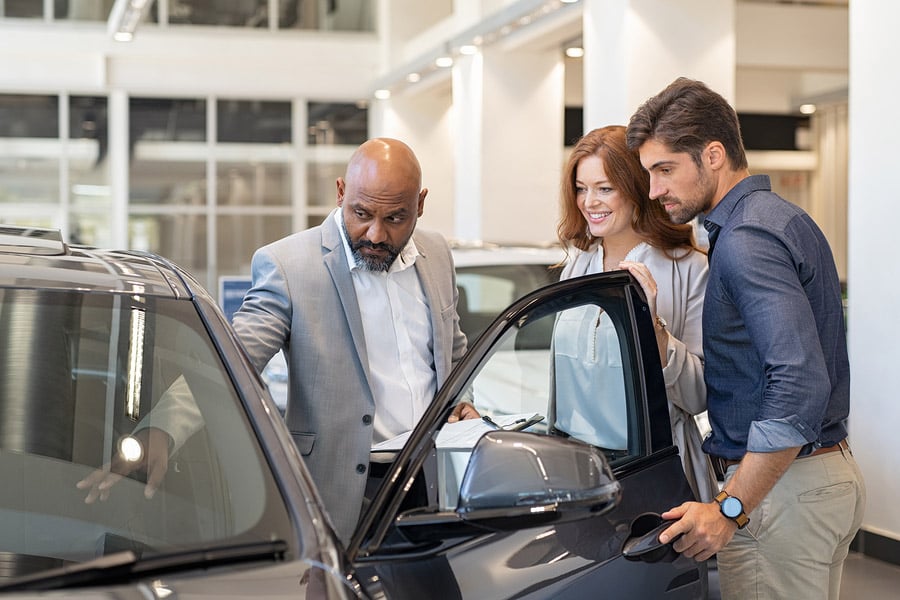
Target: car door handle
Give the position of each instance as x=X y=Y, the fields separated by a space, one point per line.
x=643 y=544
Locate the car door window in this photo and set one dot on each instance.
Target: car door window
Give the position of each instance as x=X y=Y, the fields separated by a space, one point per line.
x=574 y=366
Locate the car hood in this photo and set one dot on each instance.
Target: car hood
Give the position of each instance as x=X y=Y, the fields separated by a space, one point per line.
x=294 y=579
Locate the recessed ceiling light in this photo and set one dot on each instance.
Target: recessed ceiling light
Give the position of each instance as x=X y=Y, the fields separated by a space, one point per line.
x=575 y=52
x=382 y=94
x=443 y=61
x=468 y=49
x=413 y=77
x=807 y=109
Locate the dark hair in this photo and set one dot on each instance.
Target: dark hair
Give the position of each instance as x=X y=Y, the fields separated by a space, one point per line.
x=686 y=116
x=628 y=177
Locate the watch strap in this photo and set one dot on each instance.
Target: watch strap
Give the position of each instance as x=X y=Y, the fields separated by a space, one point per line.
x=741 y=519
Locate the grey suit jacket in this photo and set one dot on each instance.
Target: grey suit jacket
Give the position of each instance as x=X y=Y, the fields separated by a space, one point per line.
x=302 y=299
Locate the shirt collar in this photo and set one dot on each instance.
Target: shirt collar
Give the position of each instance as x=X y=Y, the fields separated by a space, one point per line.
x=718 y=216
x=404 y=260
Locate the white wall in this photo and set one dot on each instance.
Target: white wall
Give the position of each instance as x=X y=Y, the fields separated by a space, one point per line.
x=873 y=283
x=188 y=61
x=423 y=121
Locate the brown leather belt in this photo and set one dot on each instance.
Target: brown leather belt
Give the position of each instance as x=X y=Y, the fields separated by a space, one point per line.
x=724 y=463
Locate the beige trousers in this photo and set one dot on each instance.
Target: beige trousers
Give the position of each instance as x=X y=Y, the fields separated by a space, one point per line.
x=796 y=542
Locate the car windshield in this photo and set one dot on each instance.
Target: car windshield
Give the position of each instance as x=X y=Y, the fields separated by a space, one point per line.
x=81 y=376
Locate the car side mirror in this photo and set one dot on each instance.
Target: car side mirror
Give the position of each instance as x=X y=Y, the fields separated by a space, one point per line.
x=524 y=473
x=515 y=480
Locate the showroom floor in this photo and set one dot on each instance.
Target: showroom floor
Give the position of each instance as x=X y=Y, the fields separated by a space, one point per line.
x=864 y=577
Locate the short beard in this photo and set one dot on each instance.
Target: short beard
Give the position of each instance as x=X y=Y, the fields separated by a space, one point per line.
x=371 y=263
x=687 y=210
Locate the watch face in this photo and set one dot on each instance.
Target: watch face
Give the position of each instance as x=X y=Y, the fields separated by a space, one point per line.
x=732 y=507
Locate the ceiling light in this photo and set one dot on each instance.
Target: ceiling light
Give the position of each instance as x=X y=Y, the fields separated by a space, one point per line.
x=413 y=77
x=124 y=18
x=807 y=109
x=575 y=52
x=468 y=49
x=443 y=61
x=382 y=94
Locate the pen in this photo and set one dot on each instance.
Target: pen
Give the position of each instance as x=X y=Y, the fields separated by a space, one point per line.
x=487 y=419
x=526 y=423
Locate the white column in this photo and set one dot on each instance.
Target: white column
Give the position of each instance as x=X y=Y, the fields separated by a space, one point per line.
x=872 y=282
x=468 y=146
x=421 y=117
x=634 y=48
x=522 y=144
x=119 y=158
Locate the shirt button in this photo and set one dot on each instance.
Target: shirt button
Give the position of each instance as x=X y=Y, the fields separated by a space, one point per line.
x=360 y=469
x=367 y=419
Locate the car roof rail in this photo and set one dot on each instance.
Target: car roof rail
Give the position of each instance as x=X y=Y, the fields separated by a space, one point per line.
x=31 y=240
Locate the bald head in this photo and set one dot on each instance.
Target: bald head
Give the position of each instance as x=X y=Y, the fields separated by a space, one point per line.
x=381 y=198
x=388 y=162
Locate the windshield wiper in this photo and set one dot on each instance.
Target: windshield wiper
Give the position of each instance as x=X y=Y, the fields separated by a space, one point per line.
x=125 y=566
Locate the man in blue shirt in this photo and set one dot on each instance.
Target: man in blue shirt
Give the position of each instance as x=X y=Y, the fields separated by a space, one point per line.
x=776 y=367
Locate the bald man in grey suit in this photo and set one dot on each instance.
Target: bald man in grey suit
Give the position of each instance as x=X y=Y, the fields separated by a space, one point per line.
x=322 y=296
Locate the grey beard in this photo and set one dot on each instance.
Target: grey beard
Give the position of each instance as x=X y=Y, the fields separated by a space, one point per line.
x=370 y=263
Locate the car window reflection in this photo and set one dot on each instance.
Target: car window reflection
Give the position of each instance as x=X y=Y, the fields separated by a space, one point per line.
x=106 y=362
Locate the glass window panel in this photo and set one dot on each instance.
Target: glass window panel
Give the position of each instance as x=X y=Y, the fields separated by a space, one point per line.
x=87 y=153
x=168 y=161
x=181 y=183
x=253 y=184
x=327 y=15
x=82 y=10
x=157 y=119
x=28 y=177
x=91 y=229
x=228 y=13
x=180 y=238
x=238 y=236
x=23 y=9
x=337 y=123
x=321 y=188
x=88 y=119
x=314 y=220
x=253 y=121
x=27 y=116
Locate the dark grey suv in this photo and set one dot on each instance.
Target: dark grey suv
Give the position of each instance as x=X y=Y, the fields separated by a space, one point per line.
x=92 y=345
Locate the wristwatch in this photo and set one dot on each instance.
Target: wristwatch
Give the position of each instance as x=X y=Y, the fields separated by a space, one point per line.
x=733 y=508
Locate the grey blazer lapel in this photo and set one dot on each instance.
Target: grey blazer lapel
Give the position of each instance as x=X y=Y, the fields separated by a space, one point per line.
x=425 y=271
x=335 y=260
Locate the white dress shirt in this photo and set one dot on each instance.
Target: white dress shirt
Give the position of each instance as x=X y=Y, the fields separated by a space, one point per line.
x=399 y=340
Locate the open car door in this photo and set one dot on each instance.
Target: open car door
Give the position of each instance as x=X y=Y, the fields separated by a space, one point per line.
x=558 y=494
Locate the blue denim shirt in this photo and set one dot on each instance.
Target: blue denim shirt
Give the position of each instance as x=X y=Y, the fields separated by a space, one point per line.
x=776 y=366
